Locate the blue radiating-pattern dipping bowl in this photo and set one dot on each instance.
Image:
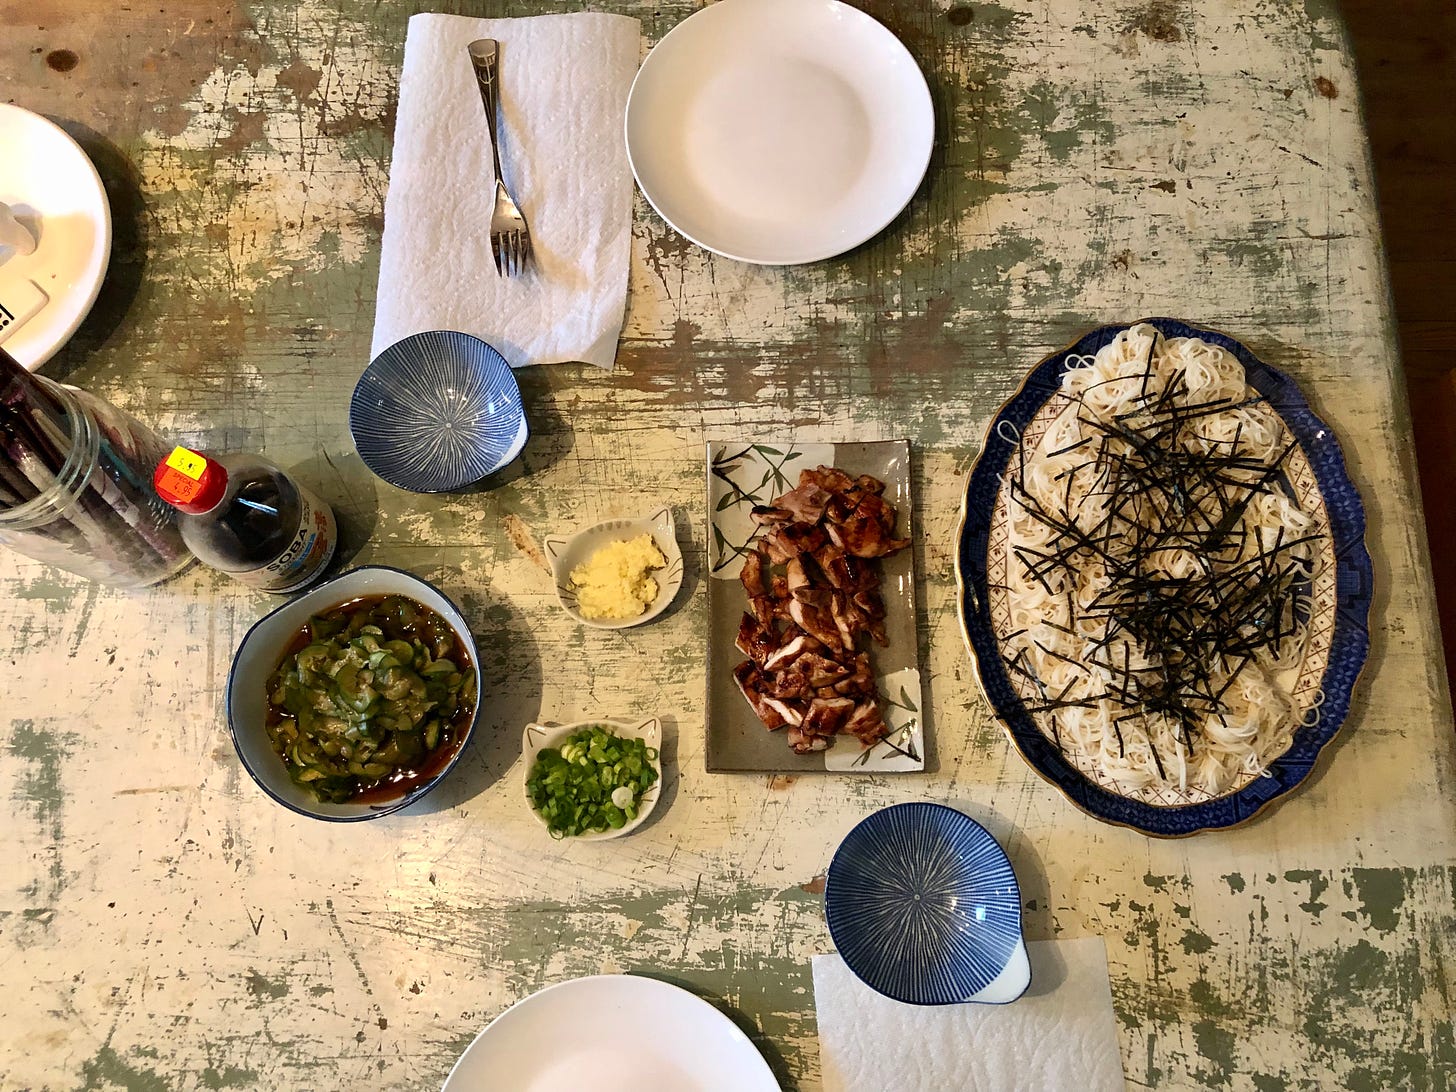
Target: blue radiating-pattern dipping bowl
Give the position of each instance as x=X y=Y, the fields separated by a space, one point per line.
x=924 y=907
x=436 y=412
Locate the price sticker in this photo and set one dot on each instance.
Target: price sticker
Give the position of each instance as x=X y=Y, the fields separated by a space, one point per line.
x=187 y=462
x=179 y=478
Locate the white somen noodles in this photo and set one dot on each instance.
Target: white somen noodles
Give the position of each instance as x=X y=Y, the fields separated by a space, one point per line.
x=1157 y=568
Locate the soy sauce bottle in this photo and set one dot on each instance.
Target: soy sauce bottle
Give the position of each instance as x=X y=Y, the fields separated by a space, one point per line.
x=244 y=516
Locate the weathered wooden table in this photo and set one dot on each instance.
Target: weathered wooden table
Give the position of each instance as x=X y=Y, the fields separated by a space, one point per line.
x=163 y=925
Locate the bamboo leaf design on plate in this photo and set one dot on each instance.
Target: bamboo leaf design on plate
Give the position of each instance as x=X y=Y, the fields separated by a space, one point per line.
x=905 y=746
x=906 y=702
x=775 y=469
x=772 y=482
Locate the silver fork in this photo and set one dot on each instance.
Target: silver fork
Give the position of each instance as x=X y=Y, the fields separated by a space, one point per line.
x=510 y=240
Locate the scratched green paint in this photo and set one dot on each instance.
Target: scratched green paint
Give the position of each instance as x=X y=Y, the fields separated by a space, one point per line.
x=1196 y=943
x=1086 y=121
x=265 y=989
x=56 y=590
x=1218 y=1046
x=1264 y=260
x=1326 y=25
x=760 y=976
x=1319 y=883
x=1382 y=894
x=1267 y=1082
x=1369 y=975
x=109 y=1070
x=44 y=748
x=228 y=1077
x=1361 y=968
x=1210 y=1001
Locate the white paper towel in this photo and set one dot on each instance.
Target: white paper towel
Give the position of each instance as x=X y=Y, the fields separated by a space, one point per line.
x=563 y=95
x=1061 y=1034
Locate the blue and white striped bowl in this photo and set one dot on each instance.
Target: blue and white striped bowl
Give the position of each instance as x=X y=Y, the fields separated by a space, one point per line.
x=924 y=907
x=436 y=412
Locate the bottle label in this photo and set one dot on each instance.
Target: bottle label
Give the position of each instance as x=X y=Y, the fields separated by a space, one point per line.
x=306 y=556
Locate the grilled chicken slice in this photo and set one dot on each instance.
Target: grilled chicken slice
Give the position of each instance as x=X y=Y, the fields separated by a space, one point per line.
x=827 y=715
x=865 y=723
x=830 y=478
x=773 y=712
x=796 y=577
x=870 y=603
x=752 y=574
x=817 y=623
x=864 y=537
x=787 y=653
x=756 y=640
x=806 y=503
x=813 y=591
x=785 y=541
x=804 y=743
x=861 y=679
x=821 y=671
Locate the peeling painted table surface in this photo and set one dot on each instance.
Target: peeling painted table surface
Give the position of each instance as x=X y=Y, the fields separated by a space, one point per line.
x=164 y=926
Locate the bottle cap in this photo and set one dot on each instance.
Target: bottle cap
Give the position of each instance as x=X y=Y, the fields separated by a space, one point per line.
x=190 y=482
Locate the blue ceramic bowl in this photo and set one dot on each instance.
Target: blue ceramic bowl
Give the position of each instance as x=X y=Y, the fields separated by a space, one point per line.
x=436 y=412
x=923 y=906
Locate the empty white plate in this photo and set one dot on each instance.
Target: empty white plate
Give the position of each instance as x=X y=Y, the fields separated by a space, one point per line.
x=53 y=189
x=612 y=1033
x=779 y=131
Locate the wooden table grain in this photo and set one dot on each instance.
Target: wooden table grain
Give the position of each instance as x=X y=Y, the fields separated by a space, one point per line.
x=164 y=926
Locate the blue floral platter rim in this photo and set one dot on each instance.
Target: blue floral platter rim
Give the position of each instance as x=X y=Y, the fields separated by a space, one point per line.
x=1354 y=581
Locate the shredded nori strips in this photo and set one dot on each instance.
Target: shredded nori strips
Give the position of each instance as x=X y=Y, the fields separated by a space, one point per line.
x=1165 y=489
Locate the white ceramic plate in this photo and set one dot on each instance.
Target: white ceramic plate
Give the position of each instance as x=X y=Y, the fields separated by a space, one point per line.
x=53 y=189
x=566 y=552
x=779 y=131
x=536 y=737
x=612 y=1033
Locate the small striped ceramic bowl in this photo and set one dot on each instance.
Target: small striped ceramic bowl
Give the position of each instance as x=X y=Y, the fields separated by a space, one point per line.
x=437 y=412
x=924 y=907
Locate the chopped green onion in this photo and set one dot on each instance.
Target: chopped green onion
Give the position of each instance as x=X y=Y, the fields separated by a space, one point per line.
x=594 y=781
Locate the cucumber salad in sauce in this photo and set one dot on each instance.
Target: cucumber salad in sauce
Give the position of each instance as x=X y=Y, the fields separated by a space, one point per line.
x=372 y=698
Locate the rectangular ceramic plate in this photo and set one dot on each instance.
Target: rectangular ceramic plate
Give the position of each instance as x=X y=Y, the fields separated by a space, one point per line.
x=741 y=475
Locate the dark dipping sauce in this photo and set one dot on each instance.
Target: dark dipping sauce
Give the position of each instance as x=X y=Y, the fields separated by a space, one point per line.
x=401 y=619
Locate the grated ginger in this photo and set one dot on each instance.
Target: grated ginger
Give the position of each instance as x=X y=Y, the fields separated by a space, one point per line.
x=613 y=584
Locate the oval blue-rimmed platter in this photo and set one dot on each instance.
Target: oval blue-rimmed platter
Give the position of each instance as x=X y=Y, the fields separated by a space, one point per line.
x=1338 y=598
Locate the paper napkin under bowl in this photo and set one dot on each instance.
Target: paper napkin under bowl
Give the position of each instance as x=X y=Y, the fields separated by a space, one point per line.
x=563 y=96
x=1061 y=1034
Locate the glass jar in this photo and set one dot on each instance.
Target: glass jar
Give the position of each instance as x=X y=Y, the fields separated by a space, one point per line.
x=98 y=514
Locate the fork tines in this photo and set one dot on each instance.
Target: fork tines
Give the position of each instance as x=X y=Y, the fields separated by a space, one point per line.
x=510 y=249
